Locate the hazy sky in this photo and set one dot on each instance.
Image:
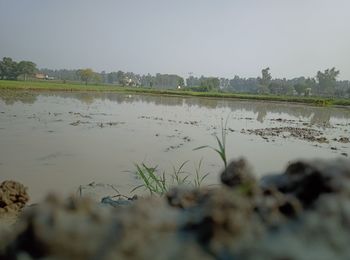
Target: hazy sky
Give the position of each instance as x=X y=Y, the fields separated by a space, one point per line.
x=213 y=38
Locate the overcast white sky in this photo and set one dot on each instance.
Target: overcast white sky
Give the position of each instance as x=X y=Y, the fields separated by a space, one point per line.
x=213 y=38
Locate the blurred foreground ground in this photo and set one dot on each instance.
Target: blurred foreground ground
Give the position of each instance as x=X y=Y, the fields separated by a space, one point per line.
x=302 y=213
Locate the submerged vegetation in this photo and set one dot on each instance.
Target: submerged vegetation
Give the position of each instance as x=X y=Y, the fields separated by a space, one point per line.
x=158 y=184
x=221 y=150
x=154 y=183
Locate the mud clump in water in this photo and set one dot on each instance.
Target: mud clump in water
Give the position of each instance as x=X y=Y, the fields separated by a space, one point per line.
x=302 y=213
x=344 y=140
x=13 y=197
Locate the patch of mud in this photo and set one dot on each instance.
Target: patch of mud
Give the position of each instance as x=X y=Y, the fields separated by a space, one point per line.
x=282 y=120
x=343 y=140
x=55 y=113
x=307 y=134
x=183 y=140
x=101 y=125
x=80 y=115
x=173 y=147
x=55 y=155
x=194 y=123
x=78 y=122
x=244 y=118
x=100 y=114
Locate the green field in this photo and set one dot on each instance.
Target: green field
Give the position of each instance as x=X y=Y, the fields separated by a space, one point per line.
x=58 y=86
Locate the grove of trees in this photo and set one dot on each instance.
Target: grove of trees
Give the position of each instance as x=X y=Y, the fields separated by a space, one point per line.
x=327 y=81
x=11 y=70
x=323 y=84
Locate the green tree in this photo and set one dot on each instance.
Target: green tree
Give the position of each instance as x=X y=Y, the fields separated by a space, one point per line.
x=8 y=69
x=86 y=75
x=211 y=83
x=112 y=77
x=26 y=68
x=192 y=81
x=287 y=89
x=180 y=82
x=265 y=80
x=97 y=78
x=300 y=88
x=263 y=89
x=275 y=88
x=327 y=80
x=121 y=78
x=266 y=77
x=311 y=86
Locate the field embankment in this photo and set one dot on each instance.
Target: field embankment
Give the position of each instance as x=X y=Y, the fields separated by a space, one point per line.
x=59 y=86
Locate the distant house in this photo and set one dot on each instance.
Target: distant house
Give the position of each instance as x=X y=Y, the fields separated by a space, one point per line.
x=40 y=76
x=43 y=76
x=131 y=82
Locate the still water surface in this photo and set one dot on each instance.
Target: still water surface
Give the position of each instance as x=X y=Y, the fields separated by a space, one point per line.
x=58 y=141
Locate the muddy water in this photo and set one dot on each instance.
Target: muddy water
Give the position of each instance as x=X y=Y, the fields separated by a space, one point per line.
x=58 y=141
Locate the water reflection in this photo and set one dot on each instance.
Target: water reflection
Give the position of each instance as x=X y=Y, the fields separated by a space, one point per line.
x=10 y=97
x=261 y=115
x=321 y=117
x=318 y=115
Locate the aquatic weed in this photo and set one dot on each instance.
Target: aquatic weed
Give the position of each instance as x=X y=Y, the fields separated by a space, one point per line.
x=221 y=150
x=158 y=184
x=151 y=181
x=177 y=175
x=198 y=178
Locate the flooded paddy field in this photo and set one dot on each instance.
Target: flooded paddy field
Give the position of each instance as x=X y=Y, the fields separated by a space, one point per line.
x=57 y=141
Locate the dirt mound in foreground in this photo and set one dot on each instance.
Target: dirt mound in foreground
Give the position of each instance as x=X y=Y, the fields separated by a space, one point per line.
x=13 y=197
x=303 y=213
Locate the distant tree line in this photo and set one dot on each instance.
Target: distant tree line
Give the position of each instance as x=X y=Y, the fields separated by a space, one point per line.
x=166 y=81
x=323 y=84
